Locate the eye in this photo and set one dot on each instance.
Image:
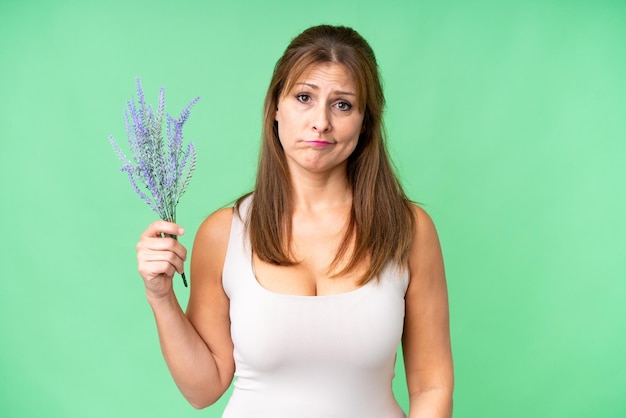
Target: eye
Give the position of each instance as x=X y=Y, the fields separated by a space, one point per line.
x=303 y=98
x=343 y=106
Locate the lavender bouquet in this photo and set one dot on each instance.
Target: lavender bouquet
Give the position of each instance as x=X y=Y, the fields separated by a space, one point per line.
x=160 y=169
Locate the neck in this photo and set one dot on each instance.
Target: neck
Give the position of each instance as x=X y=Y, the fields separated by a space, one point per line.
x=313 y=192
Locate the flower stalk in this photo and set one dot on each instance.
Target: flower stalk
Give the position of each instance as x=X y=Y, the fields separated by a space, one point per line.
x=160 y=168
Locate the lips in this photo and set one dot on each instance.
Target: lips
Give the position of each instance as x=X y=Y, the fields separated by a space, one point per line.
x=318 y=143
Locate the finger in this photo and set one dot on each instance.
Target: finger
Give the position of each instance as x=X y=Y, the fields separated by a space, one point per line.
x=157 y=228
x=159 y=262
x=162 y=244
x=152 y=269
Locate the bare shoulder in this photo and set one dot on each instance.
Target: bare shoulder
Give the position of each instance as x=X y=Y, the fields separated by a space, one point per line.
x=216 y=227
x=209 y=247
x=425 y=232
x=425 y=258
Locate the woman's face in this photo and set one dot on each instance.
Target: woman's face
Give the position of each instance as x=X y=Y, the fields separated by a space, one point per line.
x=319 y=120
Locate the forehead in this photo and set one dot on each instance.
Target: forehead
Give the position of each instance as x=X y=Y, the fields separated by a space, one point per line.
x=327 y=72
x=335 y=73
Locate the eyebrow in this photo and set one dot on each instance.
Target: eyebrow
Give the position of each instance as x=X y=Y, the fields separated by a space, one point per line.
x=314 y=87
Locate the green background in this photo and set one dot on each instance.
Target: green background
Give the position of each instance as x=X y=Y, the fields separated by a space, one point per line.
x=507 y=120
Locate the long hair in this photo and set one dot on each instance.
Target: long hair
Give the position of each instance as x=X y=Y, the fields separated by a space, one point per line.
x=381 y=223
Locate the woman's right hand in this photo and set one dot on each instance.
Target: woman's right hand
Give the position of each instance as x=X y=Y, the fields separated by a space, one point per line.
x=159 y=257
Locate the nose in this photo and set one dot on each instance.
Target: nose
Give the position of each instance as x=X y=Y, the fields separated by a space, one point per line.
x=321 y=120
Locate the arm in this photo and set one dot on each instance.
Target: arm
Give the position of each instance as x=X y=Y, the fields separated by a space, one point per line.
x=426 y=338
x=196 y=346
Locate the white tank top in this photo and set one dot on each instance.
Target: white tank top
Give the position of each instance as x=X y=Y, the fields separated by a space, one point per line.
x=329 y=356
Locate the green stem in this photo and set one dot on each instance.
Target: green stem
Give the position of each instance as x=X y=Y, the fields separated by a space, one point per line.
x=183 y=273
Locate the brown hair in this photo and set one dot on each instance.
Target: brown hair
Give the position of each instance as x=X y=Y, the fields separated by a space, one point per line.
x=381 y=222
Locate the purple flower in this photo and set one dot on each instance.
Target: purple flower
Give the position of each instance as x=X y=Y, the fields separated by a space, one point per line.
x=158 y=170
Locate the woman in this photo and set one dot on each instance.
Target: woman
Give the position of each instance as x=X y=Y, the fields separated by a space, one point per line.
x=305 y=289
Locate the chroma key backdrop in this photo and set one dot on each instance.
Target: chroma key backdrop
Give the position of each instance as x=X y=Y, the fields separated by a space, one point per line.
x=506 y=120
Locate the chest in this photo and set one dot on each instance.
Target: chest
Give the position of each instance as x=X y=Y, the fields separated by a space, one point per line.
x=360 y=329
x=315 y=245
x=304 y=279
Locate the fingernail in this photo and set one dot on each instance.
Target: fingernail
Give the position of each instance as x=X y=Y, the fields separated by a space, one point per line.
x=181 y=231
